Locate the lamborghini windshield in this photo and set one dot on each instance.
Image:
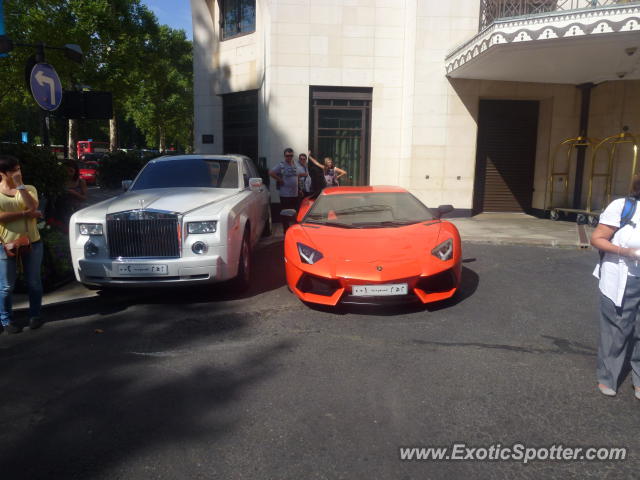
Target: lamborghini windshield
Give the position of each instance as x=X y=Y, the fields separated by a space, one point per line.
x=368 y=210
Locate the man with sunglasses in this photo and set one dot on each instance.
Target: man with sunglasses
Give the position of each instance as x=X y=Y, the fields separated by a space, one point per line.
x=304 y=182
x=285 y=174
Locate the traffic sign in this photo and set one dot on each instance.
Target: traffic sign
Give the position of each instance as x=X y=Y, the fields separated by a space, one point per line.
x=45 y=86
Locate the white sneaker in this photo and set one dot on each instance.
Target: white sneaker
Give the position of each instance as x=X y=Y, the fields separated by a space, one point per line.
x=609 y=392
x=637 y=392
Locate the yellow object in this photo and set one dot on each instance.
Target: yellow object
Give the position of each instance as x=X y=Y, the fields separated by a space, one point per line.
x=612 y=144
x=10 y=231
x=561 y=174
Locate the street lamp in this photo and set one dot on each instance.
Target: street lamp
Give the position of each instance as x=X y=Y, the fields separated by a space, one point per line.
x=72 y=51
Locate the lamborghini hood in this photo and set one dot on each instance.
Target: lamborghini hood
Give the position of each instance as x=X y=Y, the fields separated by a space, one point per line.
x=392 y=244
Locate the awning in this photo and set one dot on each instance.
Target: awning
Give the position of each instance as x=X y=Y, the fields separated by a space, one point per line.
x=564 y=47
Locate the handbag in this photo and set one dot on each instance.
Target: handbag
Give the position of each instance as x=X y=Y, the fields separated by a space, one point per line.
x=20 y=245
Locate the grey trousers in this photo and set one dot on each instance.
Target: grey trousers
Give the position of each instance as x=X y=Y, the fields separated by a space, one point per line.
x=619 y=336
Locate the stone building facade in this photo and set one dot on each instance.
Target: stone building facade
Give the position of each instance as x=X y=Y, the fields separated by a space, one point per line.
x=461 y=101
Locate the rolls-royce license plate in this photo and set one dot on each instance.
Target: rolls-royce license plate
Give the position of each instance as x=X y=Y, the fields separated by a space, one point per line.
x=142 y=269
x=379 y=290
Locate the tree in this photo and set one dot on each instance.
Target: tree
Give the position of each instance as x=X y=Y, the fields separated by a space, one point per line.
x=116 y=36
x=162 y=106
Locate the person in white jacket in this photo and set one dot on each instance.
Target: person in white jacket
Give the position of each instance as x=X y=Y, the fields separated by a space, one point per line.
x=618 y=238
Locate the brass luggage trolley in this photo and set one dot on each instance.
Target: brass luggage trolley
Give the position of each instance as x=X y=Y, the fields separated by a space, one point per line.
x=561 y=174
x=620 y=181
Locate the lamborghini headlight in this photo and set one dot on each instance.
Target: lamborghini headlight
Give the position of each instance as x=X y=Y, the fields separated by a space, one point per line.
x=444 y=251
x=308 y=254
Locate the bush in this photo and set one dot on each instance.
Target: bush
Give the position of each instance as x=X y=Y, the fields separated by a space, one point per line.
x=56 y=268
x=118 y=166
x=40 y=168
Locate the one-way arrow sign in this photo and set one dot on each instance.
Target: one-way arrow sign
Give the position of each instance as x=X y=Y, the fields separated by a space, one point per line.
x=45 y=86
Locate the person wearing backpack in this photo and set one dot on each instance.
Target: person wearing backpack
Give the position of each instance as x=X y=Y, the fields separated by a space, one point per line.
x=617 y=236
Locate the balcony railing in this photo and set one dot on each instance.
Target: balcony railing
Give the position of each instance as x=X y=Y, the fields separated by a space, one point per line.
x=492 y=10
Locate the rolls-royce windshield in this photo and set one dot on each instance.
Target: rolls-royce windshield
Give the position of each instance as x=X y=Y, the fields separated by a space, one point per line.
x=197 y=172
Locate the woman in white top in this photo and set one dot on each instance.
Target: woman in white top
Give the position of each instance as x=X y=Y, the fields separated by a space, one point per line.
x=619 y=275
x=331 y=173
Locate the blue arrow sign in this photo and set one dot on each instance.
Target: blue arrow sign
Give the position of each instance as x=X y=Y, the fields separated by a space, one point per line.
x=45 y=86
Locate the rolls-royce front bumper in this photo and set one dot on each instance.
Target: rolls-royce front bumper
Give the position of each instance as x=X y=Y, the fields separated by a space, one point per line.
x=145 y=272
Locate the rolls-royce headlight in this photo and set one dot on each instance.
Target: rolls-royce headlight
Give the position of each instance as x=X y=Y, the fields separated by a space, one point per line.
x=202 y=227
x=199 y=248
x=90 y=228
x=91 y=250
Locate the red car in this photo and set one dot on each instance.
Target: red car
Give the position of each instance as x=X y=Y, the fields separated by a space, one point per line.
x=371 y=245
x=88 y=172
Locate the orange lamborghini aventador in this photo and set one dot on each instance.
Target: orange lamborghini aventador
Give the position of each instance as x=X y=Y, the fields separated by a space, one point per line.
x=371 y=245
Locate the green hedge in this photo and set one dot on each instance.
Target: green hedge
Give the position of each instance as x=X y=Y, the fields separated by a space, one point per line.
x=40 y=168
x=118 y=166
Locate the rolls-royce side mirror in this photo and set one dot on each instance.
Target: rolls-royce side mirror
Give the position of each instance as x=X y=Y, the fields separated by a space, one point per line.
x=443 y=210
x=255 y=183
x=126 y=184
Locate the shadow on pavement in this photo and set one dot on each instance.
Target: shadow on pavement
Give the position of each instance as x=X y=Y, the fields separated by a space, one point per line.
x=81 y=404
x=468 y=286
x=268 y=274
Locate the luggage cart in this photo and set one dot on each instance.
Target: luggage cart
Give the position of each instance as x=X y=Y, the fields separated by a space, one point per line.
x=561 y=174
x=611 y=145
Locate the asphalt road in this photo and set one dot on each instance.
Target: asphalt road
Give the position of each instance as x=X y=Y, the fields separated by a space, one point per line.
x=178 y=384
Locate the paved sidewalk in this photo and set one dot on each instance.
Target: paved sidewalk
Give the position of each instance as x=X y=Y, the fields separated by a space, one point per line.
x=518 y=229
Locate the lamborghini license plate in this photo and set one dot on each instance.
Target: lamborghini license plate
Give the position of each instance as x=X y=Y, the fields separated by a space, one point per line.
x=379 y=290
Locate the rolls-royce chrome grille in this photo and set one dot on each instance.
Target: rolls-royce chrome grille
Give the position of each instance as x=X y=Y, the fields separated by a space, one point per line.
x=143 y=233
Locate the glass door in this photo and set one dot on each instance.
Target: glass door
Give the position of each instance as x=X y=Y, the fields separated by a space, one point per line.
x=340 y=131
x=340 y=137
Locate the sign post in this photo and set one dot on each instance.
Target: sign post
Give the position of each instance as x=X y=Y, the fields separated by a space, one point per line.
x=47 y=92
x=45 y=86
x=2 y=31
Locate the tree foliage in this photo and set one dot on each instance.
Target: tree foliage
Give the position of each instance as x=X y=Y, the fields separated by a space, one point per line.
x=122 y=42
x=162 y=105
x=40 y=168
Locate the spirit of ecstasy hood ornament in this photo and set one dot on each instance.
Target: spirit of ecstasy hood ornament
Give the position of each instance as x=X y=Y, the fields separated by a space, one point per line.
x=141 y=204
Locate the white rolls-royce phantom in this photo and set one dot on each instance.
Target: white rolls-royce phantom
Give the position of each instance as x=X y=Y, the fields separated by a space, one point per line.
x=184 y=219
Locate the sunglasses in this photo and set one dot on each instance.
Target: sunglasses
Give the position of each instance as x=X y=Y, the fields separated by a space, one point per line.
x=289 y=155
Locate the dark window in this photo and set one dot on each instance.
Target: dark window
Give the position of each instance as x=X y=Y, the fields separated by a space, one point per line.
x=240 y=123
x=188 y=173
x=237 y=17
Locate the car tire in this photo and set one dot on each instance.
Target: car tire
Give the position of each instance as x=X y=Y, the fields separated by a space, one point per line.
x=268 y=224
x=243 y=279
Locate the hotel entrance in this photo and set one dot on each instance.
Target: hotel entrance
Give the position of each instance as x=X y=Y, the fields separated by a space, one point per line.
x=505 y=158
x=340 y=124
